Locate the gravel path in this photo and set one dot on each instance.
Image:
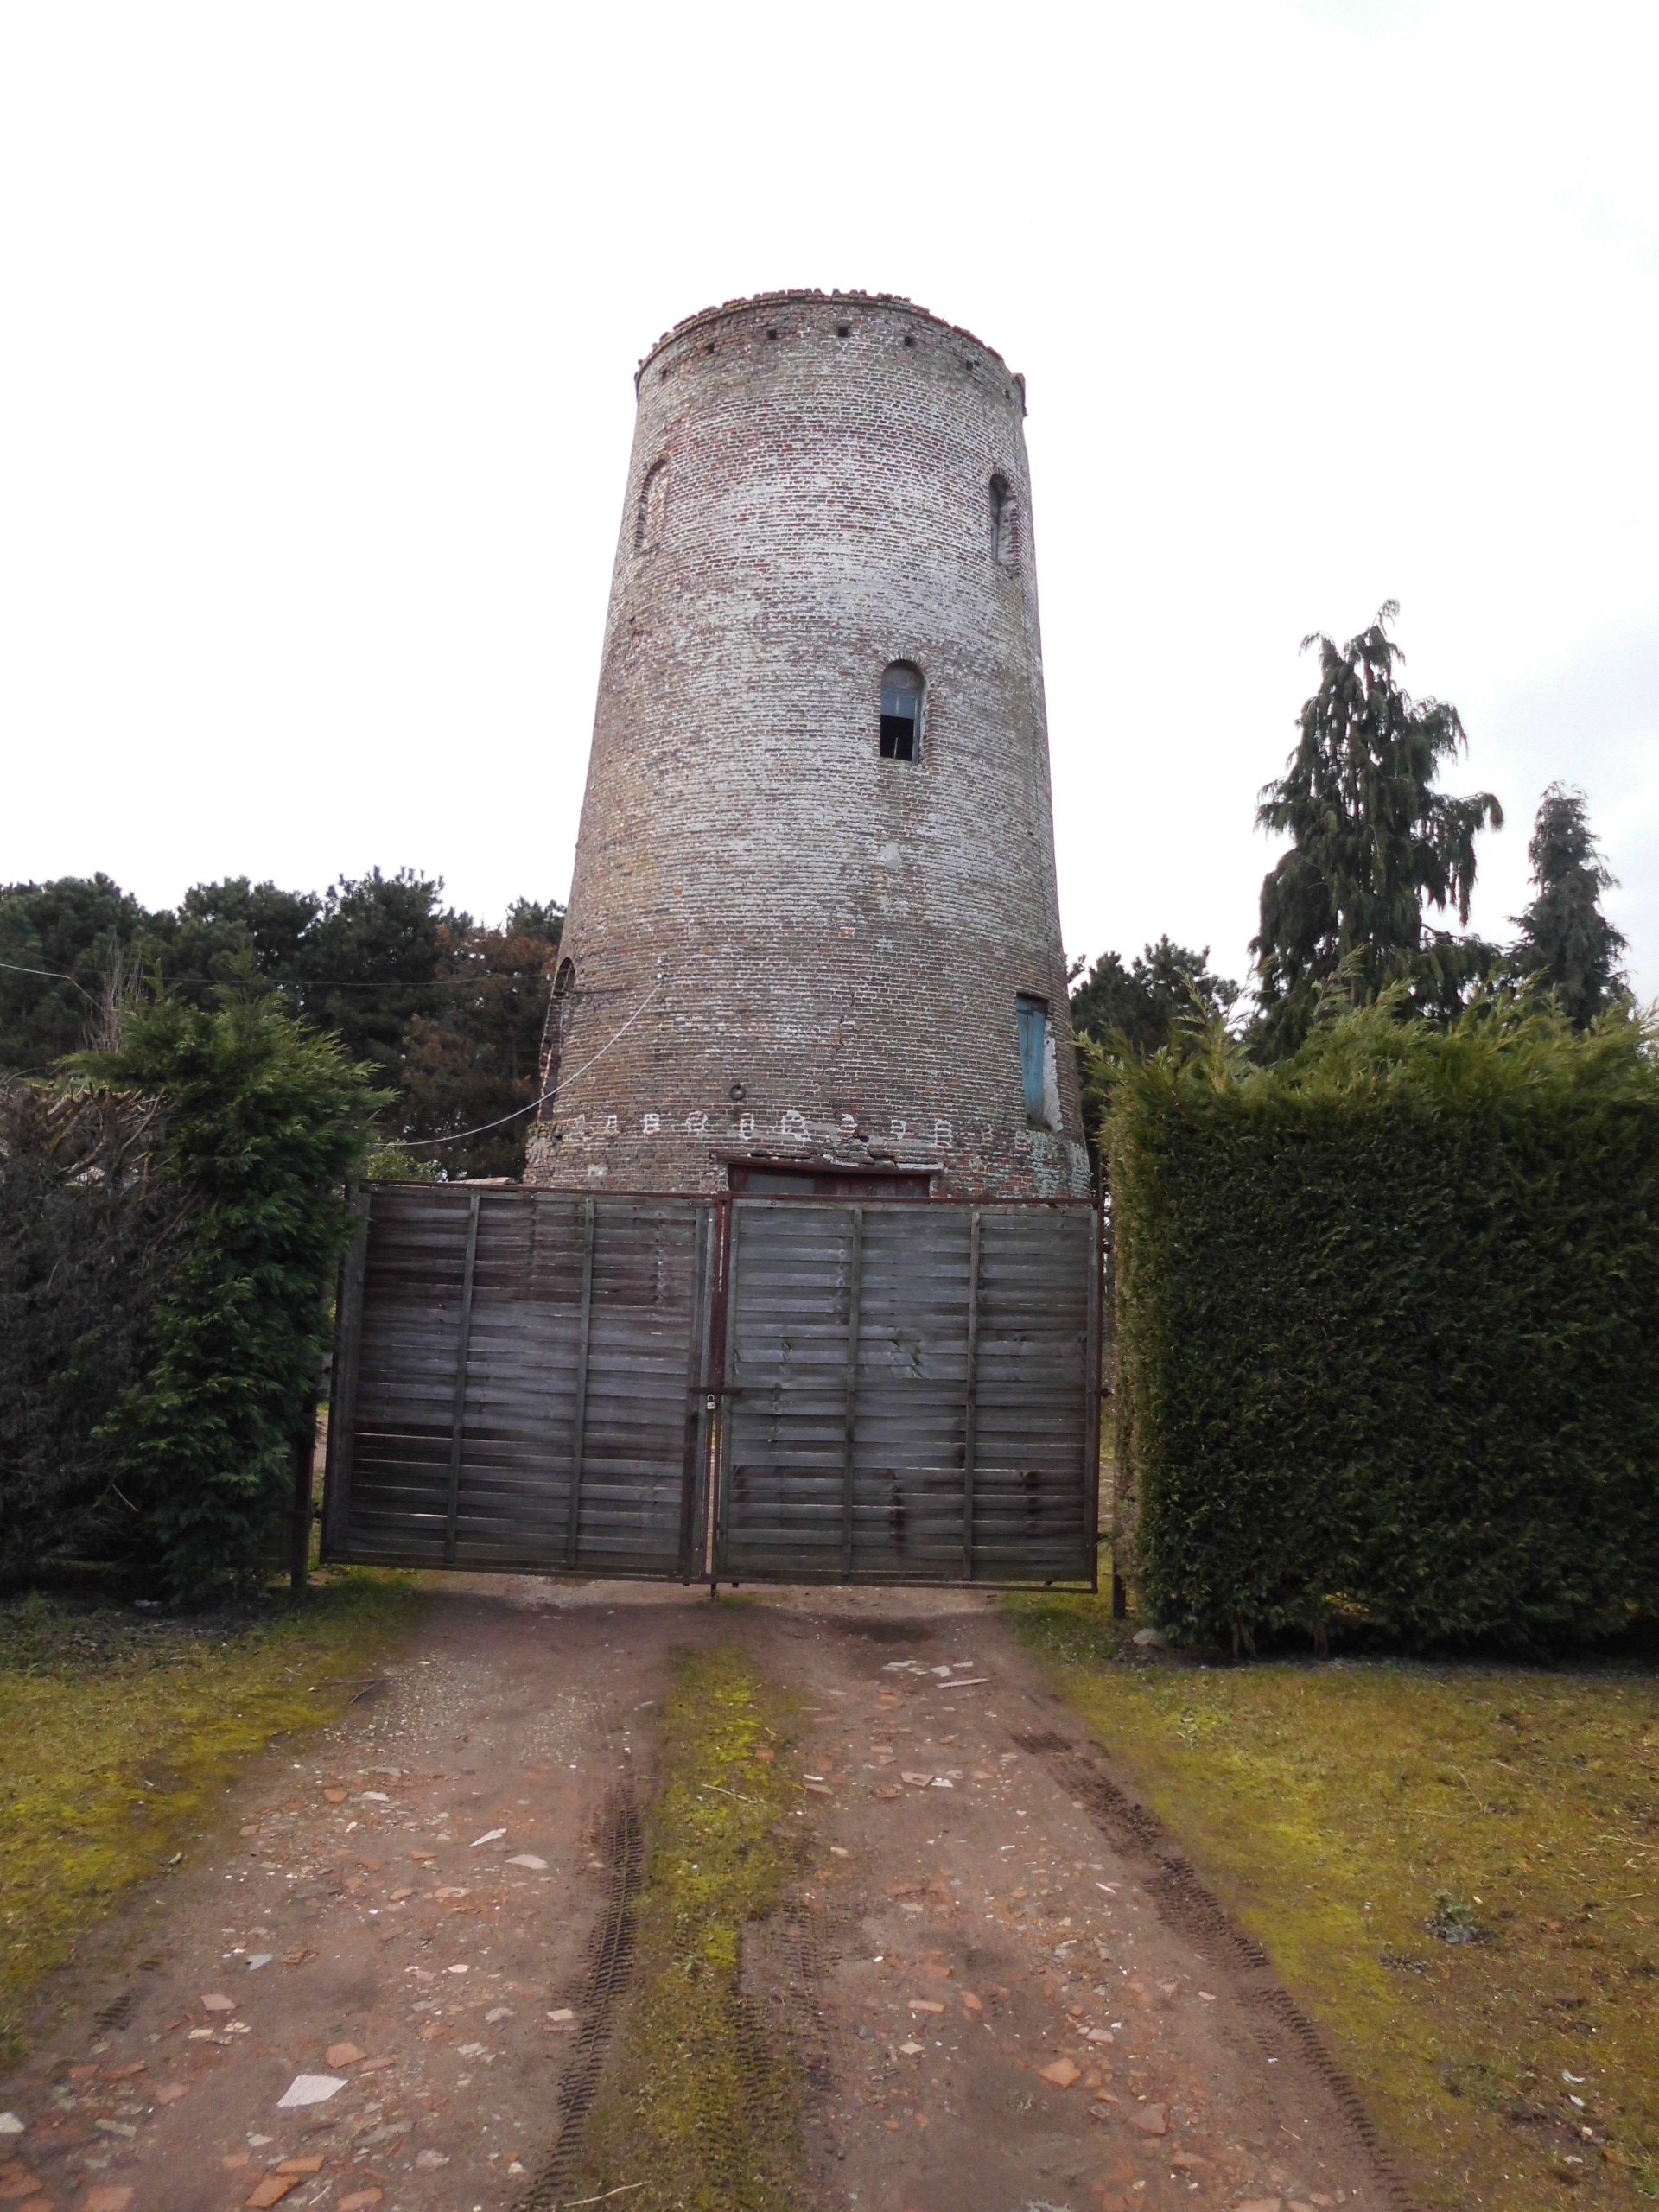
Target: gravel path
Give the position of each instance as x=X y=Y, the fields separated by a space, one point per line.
x=1008 y=1990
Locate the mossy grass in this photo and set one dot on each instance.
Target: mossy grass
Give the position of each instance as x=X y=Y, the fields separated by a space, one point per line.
x=692 y=2112
x=120 y=1728
x=1454 y=1867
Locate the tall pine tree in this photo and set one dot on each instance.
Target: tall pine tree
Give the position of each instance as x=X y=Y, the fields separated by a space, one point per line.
x=1372 y=843
x=1566 y=943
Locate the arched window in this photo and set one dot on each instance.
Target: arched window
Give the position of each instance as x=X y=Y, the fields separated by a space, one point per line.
x=558 y=1013
x=901 y=712
x=1005 y=523
x=653 y=507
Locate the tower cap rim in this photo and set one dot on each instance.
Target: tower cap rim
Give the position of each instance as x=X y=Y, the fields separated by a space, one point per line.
x=811 y=295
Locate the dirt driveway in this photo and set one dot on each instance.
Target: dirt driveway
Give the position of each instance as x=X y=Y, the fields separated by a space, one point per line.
x=1012 y=1992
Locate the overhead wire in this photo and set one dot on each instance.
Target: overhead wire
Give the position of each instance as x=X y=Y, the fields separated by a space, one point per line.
x=426 y=1144
x=309 y=982
x=418 y=1144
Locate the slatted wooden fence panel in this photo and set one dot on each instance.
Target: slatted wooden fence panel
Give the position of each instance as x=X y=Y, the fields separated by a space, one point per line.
x=911 y=1392
x=516 y=1382
x=528 y=1379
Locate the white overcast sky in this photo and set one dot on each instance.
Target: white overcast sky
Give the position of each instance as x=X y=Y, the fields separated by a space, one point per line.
x=317 y=333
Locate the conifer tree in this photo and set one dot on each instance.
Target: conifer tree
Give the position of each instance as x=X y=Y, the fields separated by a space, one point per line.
x=1139 y=1008
x=266 y=1121
x=1372 y=841
x=1143 y=1002
x=1566 y=943
x=475 y=1060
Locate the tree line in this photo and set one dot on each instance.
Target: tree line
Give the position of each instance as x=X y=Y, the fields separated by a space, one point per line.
x=170 y=1219
x=445 y=1012
x=1376 y=851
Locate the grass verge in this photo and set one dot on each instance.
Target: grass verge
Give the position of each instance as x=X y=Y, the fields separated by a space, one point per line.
x=1454 y=1867
x=692 y=2115
x=118 y=1727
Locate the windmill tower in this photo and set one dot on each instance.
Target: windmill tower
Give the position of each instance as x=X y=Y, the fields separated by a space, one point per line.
x=813 y=941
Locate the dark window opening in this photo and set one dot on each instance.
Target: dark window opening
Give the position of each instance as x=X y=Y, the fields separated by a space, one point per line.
x=769 y=1182
x=909 y=338
x=1005 y=519
x=901 y=713
x=1031 y=1016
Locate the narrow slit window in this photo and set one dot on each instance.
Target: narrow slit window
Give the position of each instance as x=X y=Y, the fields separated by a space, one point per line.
x=1033 y=1017
x=1005 y=524
x=653 y=507
x=901 y=713
x=558 y=1013
x=1039 y=1070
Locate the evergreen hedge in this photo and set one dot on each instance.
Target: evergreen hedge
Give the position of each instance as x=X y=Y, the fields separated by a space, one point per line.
x=1389 y=1330
x=266 y=1122
x=91 y=1231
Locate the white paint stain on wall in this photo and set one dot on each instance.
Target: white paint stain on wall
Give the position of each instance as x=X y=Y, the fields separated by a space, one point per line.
x=794 y=1127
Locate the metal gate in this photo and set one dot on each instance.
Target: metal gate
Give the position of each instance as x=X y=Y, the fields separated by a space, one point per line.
x=736 y=1388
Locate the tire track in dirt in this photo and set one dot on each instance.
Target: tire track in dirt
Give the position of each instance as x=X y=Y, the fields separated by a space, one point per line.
x=1188 y=1906
x=618 y=1842
x=1028 y=1994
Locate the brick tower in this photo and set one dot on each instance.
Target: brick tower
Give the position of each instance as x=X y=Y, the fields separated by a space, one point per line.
x=813 y=941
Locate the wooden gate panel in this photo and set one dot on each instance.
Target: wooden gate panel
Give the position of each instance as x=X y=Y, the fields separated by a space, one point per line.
x=522 y=1382
x=911 y=1392
x=789 y=1305
x=512 y=1492
x=525 y=1379
x=413 y=1271
x=642 y=1345
x=1038 y=1412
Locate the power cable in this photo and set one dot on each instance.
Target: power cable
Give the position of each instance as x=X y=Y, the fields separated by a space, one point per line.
x=311 y=982
x=425 y=1144
x=56 y=975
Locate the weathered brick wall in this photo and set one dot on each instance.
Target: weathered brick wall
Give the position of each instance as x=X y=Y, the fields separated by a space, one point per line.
x=815 y=951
